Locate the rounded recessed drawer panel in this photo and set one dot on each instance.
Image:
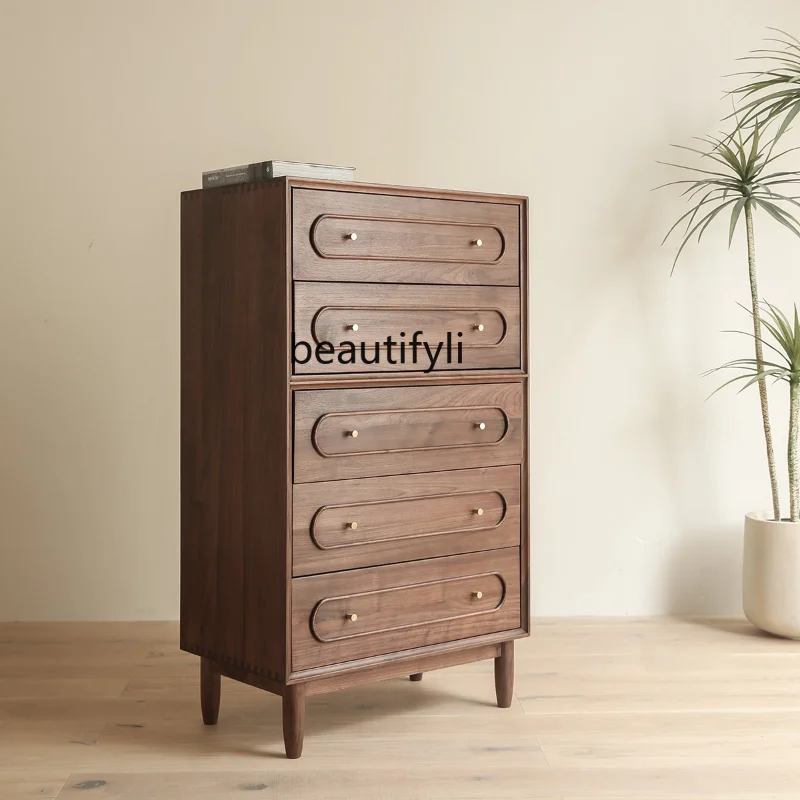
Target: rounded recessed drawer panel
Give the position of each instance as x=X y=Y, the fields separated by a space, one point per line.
x=359 y=236
x=350 y=433
x=406 y=240
x=345 y=616
x=472 y=327
x=356 y=523
x=374 y=328
x=391 y=520
x=408 y=429
x=402 y=607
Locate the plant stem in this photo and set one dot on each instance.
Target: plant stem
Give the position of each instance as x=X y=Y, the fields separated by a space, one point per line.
x=794 y=477
x=762 y=385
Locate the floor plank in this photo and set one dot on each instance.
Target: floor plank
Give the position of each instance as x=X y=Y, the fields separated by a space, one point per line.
x=446 y=782
x=45 y=688
x=648 y=709
x=45 y=786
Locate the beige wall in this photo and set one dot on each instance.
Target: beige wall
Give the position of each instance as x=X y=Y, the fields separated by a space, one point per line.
x=111 y=108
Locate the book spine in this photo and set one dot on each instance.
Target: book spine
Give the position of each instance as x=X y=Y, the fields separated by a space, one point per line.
x=232 y=175
x=264 y=170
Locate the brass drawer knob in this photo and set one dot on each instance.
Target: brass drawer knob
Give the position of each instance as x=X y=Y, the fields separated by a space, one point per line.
x=352 y=236
x=352 y=525
x=479 y=512
x=481 y=426
x=479 y=243
x=352 y=617
x=477 y=595
x=353 y=327
x=354 y=434
x=478 y=327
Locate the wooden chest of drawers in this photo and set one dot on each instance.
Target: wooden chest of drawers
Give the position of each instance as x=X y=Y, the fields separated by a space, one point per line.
x=354 y=499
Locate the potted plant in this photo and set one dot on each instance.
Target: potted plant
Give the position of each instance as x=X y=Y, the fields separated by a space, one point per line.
x=737 y=176
x=771 y=574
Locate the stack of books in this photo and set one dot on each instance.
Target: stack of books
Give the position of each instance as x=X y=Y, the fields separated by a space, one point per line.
x=264 y=170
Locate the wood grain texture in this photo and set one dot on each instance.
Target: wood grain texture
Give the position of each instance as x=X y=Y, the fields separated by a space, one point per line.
x=234 y=423
x=210 y=686
x=389 y=668
x=668 y=709
x=404 y=191
x=45 y=787
x=407 y=430
x=251 y=678
x=360 y=432
x=346 y=615
x=403 y=518
x=525 y=522
x=526 y=403
x=504 y=675
x=364 y=381
x=438 y=318
x=294 y=719
x=419 y=658
x=403 y=239
x=358 y=445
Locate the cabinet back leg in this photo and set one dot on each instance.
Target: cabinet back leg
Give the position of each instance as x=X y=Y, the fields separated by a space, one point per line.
x=294 y=719
x=417 y=676
x=209 y=691
x=504 y=674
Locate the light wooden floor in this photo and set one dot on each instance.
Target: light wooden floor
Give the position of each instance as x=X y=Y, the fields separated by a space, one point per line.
x=704 y=709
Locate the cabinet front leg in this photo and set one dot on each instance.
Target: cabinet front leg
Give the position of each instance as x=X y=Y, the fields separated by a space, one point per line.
x=504 y=674
x=294 y=719
x=209 y=691
x=417 y=676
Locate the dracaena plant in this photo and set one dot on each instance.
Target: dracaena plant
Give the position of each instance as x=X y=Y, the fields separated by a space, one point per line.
x=772 y=93
x=732 y=177
x=781 y=364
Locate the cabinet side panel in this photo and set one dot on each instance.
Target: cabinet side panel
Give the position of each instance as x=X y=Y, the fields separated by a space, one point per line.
x=198 y=543
x=526 y=454
x=234 y=444
x=267 y=432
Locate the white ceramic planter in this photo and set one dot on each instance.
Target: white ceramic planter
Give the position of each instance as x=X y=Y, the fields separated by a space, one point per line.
x=771 y=574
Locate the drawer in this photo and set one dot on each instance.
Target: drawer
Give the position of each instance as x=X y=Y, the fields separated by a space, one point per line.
x=377 y=610
x=355 y=433
x=356 y=236
x=430 y=328
x=370 y=521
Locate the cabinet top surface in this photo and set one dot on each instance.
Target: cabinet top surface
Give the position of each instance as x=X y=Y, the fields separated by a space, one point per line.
x=354 y=186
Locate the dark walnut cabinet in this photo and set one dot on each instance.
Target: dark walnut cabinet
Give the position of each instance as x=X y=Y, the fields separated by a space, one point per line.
x=344 y=521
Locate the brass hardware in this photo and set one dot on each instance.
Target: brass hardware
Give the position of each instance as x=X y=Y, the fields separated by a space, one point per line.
x=481 y=425
x=479 y=512
x=352 y=525
x=479 y=242
x=352 y=236
x=478 y=327
x=353 y=327
x=351 y=617
x=354 y=434
x=477 y=595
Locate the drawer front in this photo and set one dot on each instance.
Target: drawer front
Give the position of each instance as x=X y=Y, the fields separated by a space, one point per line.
x=354 y=433
x=369 y=612
x=370 y=521
x=431 y=328
x=353 y=236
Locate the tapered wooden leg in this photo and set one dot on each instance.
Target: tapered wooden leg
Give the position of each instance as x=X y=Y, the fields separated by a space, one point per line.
x=504 y=674
x=417 y=676
x=209 y=691
x=294 y=719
